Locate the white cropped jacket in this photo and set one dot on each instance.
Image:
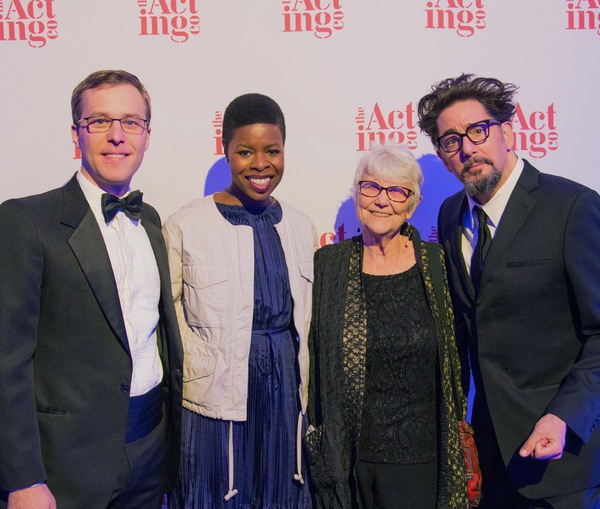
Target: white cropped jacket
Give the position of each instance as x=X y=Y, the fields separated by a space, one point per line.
x=212 y=276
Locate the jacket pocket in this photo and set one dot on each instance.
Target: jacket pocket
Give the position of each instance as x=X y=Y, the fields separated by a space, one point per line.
x=44 y=409
x=544 y=388
x=528 y=263
x=200 y=359
x=205 y=298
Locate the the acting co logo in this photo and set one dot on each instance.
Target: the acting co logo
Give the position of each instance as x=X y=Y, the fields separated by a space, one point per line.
x=462 y=16
x=583 y=15
x=32 y=21
x=377 y=125
x=535 y=131
x=218 y=125
x=177 y=19
x=321 y=17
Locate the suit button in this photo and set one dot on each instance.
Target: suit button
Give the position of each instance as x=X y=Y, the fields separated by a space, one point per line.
x=124 y=387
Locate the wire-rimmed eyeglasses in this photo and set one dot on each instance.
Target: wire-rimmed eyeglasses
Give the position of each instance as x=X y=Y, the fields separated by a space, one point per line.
x=477 y=134
x=372 y=189
x=130 y=125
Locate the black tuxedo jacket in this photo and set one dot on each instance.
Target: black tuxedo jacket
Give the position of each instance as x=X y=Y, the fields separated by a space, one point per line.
x=533 y=331
x=65 y=365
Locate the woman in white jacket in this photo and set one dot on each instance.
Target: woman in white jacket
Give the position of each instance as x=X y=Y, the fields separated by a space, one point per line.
x=241 y=269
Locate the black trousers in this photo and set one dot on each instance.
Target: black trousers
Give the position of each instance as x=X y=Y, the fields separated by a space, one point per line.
x=388 y=486
x=141 y=479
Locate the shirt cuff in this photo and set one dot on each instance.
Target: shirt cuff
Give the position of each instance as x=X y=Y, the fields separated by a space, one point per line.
x=26 y=487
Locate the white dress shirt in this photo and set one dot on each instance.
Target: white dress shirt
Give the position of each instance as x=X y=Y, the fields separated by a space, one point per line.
x=138 y=284
x=493 y=209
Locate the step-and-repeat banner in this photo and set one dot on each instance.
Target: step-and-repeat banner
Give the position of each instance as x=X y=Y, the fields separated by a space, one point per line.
x=347 y=74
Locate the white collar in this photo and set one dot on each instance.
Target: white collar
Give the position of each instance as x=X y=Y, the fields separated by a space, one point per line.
x=495 y=207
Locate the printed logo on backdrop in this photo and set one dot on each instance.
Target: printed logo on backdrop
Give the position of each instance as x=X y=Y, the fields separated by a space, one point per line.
x=176 y=19
x=377 y=125
x=321 y=17
x=31 y=21
x=218 y=125
x=462 y=16
x=583 y=15
x=535 y=131
x=219 y=174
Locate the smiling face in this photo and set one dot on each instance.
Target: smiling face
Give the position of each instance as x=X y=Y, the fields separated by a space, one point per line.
x=255 y=156
x=380 y=216
x=110 y=159
x=482 y=167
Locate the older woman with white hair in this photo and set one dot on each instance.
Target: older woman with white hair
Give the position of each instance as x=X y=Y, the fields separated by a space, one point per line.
x=385 y=396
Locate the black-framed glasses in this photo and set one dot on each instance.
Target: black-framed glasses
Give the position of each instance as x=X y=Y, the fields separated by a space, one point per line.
x=477 y=134
x=372 y=189
x=130 y=125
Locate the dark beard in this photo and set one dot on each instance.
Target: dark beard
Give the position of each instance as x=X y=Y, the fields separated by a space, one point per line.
x=483 y=185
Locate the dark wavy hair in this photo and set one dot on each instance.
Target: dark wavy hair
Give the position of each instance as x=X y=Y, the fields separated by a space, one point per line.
x=496 y=97
x=106 y=78
x=251 y=109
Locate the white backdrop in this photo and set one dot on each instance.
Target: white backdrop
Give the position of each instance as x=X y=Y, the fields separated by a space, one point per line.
x=344 y=72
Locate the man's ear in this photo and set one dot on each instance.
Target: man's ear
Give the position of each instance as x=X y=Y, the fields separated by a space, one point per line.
x=509 y=135
x=75 y=135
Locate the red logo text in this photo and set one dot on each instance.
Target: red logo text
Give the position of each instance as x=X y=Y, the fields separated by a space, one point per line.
x=321 y=17
x=464 y=16
x=218 y=125
x=536 y=131
x=176 y=18
x=378 y=126
x=28 y=20
x=583 y=15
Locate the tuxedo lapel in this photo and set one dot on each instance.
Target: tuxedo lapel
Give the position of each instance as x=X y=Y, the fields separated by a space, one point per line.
x=88 y=246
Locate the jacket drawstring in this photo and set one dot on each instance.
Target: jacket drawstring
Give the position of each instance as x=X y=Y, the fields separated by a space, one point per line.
x=232 y=491
x=298 y=474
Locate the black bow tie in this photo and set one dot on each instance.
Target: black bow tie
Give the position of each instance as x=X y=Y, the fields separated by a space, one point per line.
x=131 y=205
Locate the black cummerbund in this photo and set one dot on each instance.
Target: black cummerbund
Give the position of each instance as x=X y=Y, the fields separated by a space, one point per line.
x=145 y=413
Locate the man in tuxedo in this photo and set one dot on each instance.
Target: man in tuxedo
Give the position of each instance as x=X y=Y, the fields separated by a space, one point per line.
x=91 y=359
x=522 y=253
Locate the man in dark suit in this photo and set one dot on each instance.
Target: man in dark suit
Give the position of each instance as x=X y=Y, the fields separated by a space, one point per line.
x=527 y=301
x=91 y=359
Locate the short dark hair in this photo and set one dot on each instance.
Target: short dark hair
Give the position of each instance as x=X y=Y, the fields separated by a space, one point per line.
x=251 y=109
x=495 y=96
x=106 y=78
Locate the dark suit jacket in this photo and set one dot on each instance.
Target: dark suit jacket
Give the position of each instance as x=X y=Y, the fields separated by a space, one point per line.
x=65 y=366
x=534 y=329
